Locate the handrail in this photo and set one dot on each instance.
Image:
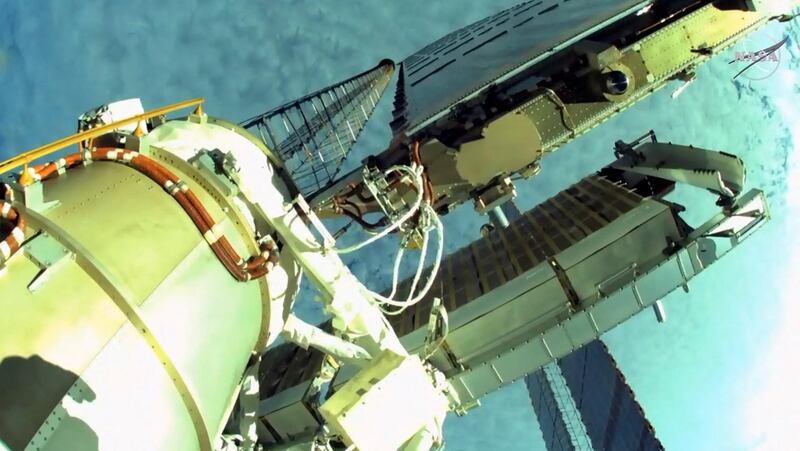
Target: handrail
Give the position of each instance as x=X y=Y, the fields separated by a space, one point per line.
x=47 y=149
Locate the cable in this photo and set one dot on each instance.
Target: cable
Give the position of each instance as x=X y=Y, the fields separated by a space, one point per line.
x=428 y=186
x=427 y=220
x=384 y=301
x=10 y=243
x=358 y=217
x=566 y=118
x=389 y=300
x=396 y=271
x=439 y=253
x=420 y=266
x=416 y=173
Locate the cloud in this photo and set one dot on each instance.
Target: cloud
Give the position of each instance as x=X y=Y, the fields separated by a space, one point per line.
x=770 y=413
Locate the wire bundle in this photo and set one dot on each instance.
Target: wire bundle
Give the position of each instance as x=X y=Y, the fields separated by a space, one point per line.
x=428 y=220
x=11 y=243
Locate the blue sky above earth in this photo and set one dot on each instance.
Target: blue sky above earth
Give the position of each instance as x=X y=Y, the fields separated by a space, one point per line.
x=719 y=375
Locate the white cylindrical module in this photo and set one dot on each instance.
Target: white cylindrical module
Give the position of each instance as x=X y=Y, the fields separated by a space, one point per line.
x=119 y=326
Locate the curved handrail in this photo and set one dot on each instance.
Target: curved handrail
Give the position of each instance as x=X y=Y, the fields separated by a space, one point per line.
x=47 y=149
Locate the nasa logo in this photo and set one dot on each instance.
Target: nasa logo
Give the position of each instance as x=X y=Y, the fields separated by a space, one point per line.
x=760 y=63
x=756 y=57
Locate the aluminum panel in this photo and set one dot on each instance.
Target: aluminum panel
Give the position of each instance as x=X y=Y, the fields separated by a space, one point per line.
x=127 y=246
x=683 y=259
x=633 y=239
x=514 y=288
x=477 y=381
x=608 y=235
x=184 y=301
x=293 y=421
x=558 y=341
x=104 y=415
x=523 y=360
x=580 y=328
x=535 y=309
x=660 y=281
x=49 y=339
x=284 y=398
x=616 y=308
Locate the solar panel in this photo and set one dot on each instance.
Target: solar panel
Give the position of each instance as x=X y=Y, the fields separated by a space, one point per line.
x=468 y=60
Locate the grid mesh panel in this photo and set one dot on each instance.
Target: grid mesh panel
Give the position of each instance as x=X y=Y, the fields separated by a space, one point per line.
x=314 y=134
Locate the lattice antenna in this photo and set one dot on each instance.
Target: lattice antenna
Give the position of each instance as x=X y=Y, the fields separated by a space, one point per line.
x=314 y=134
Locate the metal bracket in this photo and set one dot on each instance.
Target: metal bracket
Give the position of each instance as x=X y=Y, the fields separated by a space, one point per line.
x=719 y=172
x=566 y=284
x=49 y=255
x=623 y=149
x=379 y=187
x=211 y=163
x=466 y=407
x=660 y=312
x=302 y=209
x=321 y=386
x=391 y=202
x=495 y=195
x=32 y=195
x=618 y=280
